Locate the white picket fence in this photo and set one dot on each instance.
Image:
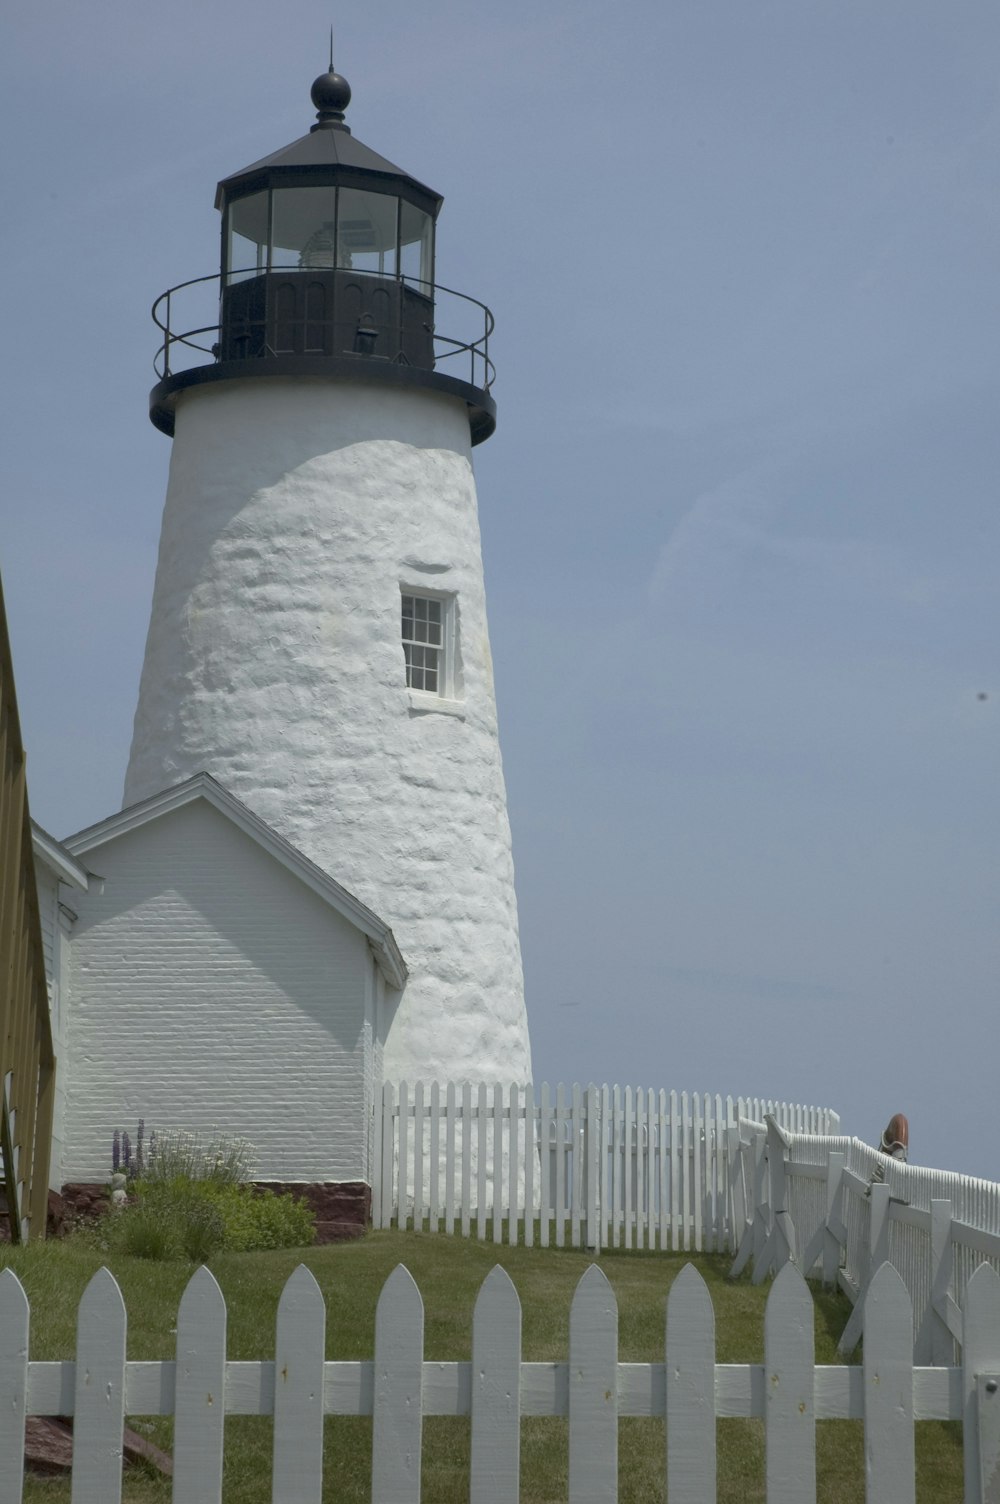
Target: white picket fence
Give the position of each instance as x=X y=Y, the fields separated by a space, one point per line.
x=400 y=1386
x=837 y=1207
x=594 y=1167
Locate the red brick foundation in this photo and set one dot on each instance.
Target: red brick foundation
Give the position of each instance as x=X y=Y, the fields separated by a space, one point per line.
x=342 y=1209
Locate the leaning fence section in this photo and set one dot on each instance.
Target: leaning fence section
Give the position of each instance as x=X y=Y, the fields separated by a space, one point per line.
x=399 y=1387
x=839 y=1209
x=594 y=1167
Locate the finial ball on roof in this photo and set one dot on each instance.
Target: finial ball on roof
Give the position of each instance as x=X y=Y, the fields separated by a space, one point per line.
x=331 y=93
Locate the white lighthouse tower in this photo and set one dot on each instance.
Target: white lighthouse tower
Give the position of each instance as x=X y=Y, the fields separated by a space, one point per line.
x=318 y=639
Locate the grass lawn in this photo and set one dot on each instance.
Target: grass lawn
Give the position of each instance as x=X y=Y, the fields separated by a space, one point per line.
x=449 y=1272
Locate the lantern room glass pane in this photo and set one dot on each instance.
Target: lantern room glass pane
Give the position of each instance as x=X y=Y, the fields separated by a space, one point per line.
x=246 y=253
x=302 y=229
x=416 y=235
x=366 y=231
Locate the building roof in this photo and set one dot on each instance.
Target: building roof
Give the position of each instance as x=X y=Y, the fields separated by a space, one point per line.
x=204 y=787
x=336 y=148
x=58 y=858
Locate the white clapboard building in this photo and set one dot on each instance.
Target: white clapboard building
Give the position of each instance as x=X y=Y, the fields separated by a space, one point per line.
x=315 y=788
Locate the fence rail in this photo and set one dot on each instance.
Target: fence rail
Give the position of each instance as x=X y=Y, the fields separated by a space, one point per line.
x=836 y=1206
x=399 y=1387
x=594 y=1167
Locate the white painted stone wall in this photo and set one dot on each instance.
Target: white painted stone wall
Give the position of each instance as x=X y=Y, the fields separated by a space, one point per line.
x=296 y=510
x=210 y=987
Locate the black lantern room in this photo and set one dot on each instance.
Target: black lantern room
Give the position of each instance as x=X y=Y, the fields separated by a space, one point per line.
x=328 y=270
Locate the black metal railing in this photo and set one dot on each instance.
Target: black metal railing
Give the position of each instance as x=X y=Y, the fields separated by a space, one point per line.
x=244 y=320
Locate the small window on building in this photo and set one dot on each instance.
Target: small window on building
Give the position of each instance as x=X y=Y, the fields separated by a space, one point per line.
x=423 y=643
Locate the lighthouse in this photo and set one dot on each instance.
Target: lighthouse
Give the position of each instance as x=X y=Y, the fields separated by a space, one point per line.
x=318 y=639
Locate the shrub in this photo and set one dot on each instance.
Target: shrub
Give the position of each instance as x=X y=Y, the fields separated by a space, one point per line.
x=191 y=1200
x=176 y=1156
x=255 y=1218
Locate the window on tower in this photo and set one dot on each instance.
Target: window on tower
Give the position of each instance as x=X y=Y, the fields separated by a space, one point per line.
x=423 y=643
x=430 y=650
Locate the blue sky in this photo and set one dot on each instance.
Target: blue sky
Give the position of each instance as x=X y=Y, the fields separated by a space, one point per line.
x=739 y=515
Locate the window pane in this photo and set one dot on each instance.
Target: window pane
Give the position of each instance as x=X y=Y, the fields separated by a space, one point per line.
x=367 y=231
x=422 y=620
x=247 y=246
x=303 y=231
x=416 y=235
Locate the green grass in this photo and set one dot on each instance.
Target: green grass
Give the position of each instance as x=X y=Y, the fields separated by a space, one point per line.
x=449 y=1272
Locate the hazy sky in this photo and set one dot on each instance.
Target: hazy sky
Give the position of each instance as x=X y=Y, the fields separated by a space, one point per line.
x=739 y=515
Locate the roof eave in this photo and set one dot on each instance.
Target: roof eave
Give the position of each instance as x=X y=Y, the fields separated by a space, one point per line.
x=204 y=786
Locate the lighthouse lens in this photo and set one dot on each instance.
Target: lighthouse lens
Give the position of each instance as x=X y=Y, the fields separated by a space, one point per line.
x=303 y=228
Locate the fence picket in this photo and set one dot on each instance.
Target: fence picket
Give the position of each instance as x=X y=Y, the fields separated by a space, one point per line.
x=514 y=1177
x=530 y=1160
x=698 y=1151
x=199 y=1411
x=466 y=1159
x=605 y=1189
x=14 y=1322
x=980 y=1355
x=592 y=1161
x=299 y=1353
x=664 y=1163
x=790 y=1418
x=482 y=1130
x=652 y=1168
x=888 y=1371
x=619 y=1161
x=685 y=1173
x=397 y=1414
x=675 y=1202
x=387 y=1155
x=690 y=1385
x=545 y=1163
x=560 y=1157
x=377 y=1127
x=628 y=1139
x=498 y=1163
x=99 y=1394
x=404 y=1155
x=593 y=1391
x=449 y=1159
x=435 y=1159
x=418 y=1157
x=576 y=1139
x=942 y=1343
x=496 y=1392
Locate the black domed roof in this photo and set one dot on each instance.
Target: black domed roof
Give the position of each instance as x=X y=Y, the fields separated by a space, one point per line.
x=328 y=153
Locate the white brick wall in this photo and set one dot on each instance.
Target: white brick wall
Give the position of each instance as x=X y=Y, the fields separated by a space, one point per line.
x=210 y=987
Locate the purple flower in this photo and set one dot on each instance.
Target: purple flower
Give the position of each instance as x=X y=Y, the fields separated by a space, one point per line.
x=116 y=1153
x=127 y=1153
x=138 y=1147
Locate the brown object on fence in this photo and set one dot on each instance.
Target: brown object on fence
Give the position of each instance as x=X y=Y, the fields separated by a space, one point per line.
x=27 y=1065
x=896 y=1137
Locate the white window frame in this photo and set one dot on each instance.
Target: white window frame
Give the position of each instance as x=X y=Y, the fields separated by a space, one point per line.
x=448 y=696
